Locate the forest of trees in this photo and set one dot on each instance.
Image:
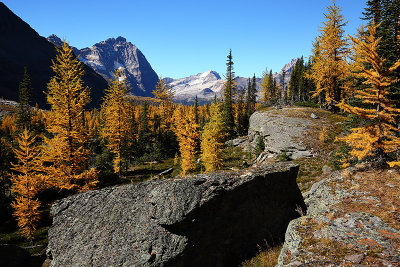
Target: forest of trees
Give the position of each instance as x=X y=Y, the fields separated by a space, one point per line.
x=69 y=149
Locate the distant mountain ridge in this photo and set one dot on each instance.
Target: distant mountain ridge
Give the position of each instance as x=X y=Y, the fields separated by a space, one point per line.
x=104 y=57
x=207 y=84
x=21 y=46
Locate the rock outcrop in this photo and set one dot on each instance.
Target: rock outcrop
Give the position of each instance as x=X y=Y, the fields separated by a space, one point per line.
x=282 y=132
x=349 y=221
x=215 y=219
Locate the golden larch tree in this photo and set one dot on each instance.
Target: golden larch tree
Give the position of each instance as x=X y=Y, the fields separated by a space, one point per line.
x=26 y=184
x=380 y=136
x=116 y=116
x=266 y=90
x=329 y=57
x=186 y=130
x=164 y=93
x=212 y=139
x=67 y=153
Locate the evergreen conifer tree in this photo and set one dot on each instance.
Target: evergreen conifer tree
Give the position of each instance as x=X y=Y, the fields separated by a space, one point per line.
x=253 y=94
x=24 y=112
x=229 y=88
x=386 y=13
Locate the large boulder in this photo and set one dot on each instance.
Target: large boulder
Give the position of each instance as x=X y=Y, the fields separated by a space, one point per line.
x=282 y=130
x=215 y=219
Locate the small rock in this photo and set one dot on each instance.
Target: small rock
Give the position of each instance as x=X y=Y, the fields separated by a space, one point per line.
x=326 y=169
x=355 y=258
x=314 y=116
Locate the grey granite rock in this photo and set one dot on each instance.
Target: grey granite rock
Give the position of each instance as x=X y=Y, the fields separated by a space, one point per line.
x=282 y=133
x=215 y=219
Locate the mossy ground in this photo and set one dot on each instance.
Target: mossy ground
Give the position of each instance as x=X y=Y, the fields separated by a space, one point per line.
x=375 y=192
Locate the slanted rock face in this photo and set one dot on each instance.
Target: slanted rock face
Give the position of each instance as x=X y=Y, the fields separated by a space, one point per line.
x=281 y=132
x=215 y=219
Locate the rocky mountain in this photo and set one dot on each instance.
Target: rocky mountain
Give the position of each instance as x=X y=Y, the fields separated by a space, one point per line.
x=21 y=46
x=203 y=85
x=208 y=84
x=104 y=57
x=57 y=41
x=288 y=70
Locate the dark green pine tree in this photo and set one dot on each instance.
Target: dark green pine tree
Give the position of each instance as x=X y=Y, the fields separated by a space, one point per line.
x=229 y=88
x=24 y=113
x=248 y=103
x=387 y=13
x=253 y=94
x=373 y=10
x=301 y=78
x=309 y=84
x=144 y=123
x=242 y=116
x=284 y=87
x=271 y=85
x=277 y=94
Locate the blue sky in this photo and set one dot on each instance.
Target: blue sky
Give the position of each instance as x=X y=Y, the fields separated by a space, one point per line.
x=183 y=37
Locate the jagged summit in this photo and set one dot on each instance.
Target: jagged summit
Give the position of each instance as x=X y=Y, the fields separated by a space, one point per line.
x=105 y=56
x=55 y=39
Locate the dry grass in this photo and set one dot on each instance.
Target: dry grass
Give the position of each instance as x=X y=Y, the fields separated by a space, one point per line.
x=264 y=258
x=381 y=197
x=375 y=192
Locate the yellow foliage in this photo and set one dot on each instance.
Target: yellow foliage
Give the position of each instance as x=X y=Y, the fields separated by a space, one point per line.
x=187 y=134
x=27 y=184
x=266 y=88
x=380 y=136
x=329 y=56
x=116 y=115
x=176 y=159
x=322 y=135
x=8 y=124
x=67 y=153
x=212 y=140
x=165 y=94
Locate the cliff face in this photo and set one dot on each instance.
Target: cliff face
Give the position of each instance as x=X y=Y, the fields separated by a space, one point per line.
x=21 y=46
x=215 y=219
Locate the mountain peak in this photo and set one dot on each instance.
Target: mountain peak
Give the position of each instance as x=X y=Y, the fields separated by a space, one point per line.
x=104 y=56
x=55 y=39
x=209 y=73
x=118 y=40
